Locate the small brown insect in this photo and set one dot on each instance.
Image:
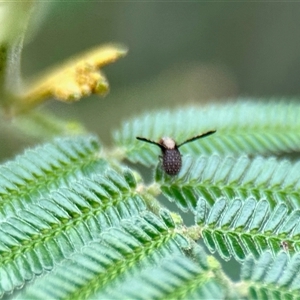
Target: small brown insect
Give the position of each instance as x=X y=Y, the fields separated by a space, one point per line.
x=171 y=157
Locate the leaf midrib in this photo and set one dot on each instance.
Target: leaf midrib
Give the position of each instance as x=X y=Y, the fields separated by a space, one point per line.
x=238 y=190
x=55 y=176
x=122 y=265
x=64 y=224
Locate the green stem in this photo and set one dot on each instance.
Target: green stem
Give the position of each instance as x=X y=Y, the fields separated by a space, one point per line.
x=13 y=70
x=10 y=59
x=10 y=74
x=3 y=67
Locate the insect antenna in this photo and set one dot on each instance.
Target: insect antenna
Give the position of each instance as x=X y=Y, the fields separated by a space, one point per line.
x=149 y=141
x=197 y=137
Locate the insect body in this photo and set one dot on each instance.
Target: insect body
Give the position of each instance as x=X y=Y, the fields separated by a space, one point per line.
x=171 y=157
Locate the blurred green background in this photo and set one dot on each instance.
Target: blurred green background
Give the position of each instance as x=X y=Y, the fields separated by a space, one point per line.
x=179 y=53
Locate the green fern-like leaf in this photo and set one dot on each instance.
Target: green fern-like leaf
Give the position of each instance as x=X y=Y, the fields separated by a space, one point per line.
x=242 y=127
x=34 y=174
x=213 y=177
x=139 y=242
x=185 y=280
x=238 y=228
x=42 y=235
x=273 y=278
x=72 y=227
x=156 y=268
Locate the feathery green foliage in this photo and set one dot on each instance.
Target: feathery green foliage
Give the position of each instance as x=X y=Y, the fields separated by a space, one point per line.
x=238 y=228
x=273 y=278
x=45 y=233
x=132 y=263
x=242 y=127
x=76 y=224
x=212 y=177
x=34 y=174
x=93 y=233
x=114 y=250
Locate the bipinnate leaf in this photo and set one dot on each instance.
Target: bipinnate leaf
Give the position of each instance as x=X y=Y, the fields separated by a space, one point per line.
x=126 y=265
x=38 y=171
x=272 y=277
x=106 y=259
x=74 y=225
x=238 y=228
x=243 y=127
x=43 y=234
x=212 y=177
x=91 y=232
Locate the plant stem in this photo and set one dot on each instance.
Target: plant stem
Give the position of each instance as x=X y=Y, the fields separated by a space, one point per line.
x=10 y=54
x=3 y=63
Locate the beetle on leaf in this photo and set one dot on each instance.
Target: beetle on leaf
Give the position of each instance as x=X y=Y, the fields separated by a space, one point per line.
x=171 y=157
